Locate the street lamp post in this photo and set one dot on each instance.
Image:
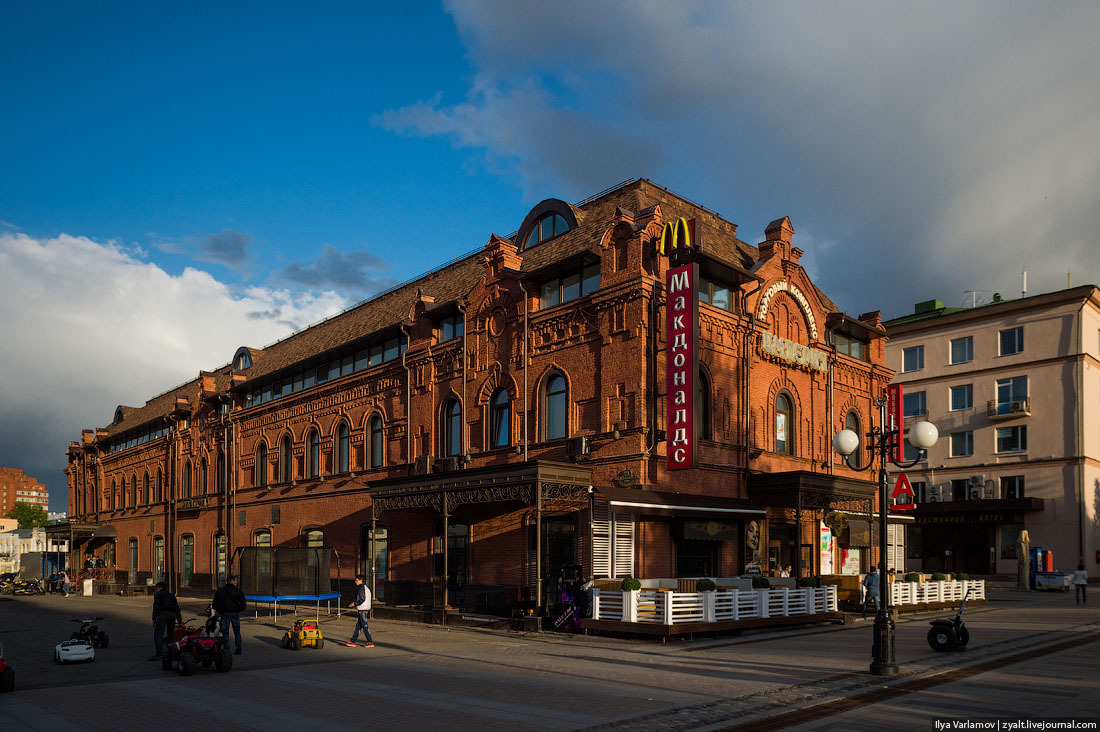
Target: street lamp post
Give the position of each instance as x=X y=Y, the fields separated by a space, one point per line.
x=882 y=443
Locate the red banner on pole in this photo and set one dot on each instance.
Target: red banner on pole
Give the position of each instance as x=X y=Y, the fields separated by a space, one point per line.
x=895 y=421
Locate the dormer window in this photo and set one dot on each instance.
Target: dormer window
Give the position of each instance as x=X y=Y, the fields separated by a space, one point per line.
x=118 y=416
x=242 y=359
x=449 y=328
x=549 y=226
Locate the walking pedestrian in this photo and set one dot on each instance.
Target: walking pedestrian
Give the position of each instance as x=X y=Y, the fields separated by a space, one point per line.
x=166 y=614
x=1080 y=584
x=229 y=602
x=362 y=606
x=871 y=587
x=64 y=578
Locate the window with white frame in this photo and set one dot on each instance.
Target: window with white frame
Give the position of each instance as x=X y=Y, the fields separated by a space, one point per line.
x=962 y=349
x=1012 y=341
x=1012 y=439
x=962 y=443
x=913 y=404
x=912 y=358
x=962 y=397
x=1009 y=391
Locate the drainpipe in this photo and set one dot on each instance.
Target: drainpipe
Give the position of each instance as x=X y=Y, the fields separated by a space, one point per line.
x=408 y=401
x=1080 y=459
x=526 y=411
x=465 y=428
x=829 y=398
x=170 y=530
x=745 y=411
x=651 y=439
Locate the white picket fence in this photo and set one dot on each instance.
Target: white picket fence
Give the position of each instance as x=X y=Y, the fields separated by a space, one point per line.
x=676 y=608
x=913 y=593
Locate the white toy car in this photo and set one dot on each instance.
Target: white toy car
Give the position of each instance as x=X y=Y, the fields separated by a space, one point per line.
x=73 y=650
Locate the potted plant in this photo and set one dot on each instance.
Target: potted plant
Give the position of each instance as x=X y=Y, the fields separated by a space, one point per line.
x=809 y=582
x=705 y=585
x=912 y=577
x=630 y=584
x=938 y=577
x=761 y=583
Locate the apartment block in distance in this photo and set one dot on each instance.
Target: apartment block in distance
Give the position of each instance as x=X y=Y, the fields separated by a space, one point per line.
x=18 y=487
x=1014 y=388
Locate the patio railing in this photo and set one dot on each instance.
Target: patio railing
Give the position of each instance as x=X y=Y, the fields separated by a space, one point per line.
x=913 y=593
x=676 y=608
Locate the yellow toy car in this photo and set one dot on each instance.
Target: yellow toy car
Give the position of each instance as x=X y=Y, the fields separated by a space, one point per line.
x=304 y=634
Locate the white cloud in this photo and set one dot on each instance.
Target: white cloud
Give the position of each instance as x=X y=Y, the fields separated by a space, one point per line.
x=938 y=146
x=87 y=326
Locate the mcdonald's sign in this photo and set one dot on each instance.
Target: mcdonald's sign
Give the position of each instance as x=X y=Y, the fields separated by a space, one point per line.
x=677 y=235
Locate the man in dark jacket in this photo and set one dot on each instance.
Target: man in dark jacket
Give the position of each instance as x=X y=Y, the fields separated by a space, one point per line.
x=229 y=602
x=166 y=614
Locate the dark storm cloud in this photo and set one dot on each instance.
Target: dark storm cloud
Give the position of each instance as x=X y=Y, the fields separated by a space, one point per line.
x=348 y=272
x=230 y=248
x=921 y=150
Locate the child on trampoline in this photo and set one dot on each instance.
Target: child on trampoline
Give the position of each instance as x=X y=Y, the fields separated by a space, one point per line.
x=362 y=606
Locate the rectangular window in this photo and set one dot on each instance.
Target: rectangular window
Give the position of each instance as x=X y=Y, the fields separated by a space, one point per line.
x=449 y=328
x=570 y=286
x=962 y=443
x=920 y=491
x=715 y=293
x=911 y=451
x=1012 y=341
x=1012 y=439
x=962 y=349
x=962 y=397
x=1012 y=486
x=376 y=354
x=913 y=404
x=362 y=359
x=392 y=351
x=960 y=489
x=334 y=369
x=850 y=346
x=913 y=358
x=309 y=378
x=1009 y=391
x=590 y=279
x=550 y=294
x=347 y=363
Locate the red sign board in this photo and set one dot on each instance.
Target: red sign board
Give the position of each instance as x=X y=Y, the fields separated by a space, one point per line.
x=682 y=364
x=895 y=421
x=904 y=489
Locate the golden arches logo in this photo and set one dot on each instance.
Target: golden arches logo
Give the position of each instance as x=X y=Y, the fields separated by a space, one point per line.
x=676 y=236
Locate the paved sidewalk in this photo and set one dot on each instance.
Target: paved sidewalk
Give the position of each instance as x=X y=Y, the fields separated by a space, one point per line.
x=427 y=677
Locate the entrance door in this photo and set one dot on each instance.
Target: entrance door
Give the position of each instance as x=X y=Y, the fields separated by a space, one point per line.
x=381 y=563
x=158 y=559
x=132 y=579
x=781 y=546
x=559 y=548
x=188 y=556
x=220 y=551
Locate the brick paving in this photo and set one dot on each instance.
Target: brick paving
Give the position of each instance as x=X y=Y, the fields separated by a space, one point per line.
x=426 y=677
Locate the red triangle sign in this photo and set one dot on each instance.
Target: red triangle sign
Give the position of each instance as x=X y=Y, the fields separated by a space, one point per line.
x=903 y=488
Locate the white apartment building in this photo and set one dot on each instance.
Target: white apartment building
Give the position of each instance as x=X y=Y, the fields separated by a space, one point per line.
x=1014 y=389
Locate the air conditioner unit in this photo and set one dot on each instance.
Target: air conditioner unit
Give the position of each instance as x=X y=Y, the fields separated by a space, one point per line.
x=1018 y=406
x=977 y=481
x=423 y=465
x=577 y=447
x=935 y=494
x=450 y=464
x=976 y=493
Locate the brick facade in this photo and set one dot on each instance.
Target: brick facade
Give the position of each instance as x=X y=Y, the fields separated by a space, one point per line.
x=605 y=343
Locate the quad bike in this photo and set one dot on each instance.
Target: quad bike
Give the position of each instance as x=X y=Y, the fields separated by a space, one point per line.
x=950 y=633
x=304 y=634
x=7 y=674
x=90 y=633
x=198 y=646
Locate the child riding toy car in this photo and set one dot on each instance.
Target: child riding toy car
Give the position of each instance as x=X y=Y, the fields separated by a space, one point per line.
x=194 y=646
x=304 y=634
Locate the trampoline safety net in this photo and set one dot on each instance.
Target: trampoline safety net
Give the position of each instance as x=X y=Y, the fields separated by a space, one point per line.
x=279 y=571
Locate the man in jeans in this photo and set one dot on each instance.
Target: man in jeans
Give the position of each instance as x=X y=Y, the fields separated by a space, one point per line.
x=362 y=606
x=871 y=584
x=229 y=602
x=166 y=614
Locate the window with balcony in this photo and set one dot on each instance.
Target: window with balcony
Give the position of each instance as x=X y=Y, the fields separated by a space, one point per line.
x=1012 y=341
x=962 y=443
x=962 y=349
x=913 y=404
x=1012 y=439
x=962 y=397
x=912 y=359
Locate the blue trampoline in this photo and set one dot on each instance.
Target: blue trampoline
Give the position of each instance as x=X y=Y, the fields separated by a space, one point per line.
x=288 y=574
x=276 y=599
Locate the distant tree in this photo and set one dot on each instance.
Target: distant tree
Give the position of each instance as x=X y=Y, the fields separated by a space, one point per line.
x=29 y=516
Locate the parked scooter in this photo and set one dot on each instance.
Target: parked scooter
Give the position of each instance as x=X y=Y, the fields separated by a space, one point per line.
x=950 y=633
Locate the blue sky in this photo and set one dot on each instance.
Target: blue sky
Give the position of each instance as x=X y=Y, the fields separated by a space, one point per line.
x=176 y=181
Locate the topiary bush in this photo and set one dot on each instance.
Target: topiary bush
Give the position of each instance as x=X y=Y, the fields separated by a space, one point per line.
x=938 y=577
x=912 y=577
x=761 y=583
x=705 y=585
x=630 y=584
x=808 y=582
x=961 y=576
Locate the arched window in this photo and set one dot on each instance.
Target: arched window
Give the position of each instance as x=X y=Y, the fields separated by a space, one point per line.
x=706 y=399
x=221 y=472
x=160 y=486
x=342 y=448
x=851 y=422
x=549 y=226
x=451 y=428
x=204 y=476
x=187 y=479
x=261 y=463
x=285 y=456
x=313 y=448
x=313 y=537
x=376 y=442
x=500 y=419
x=555 y=402
x=111 y=496
x=131 y=494
x=262 y=537
x=145 y=488
x=784 y=425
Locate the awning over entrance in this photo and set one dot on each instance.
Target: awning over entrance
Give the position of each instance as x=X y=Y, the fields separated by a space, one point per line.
x=73 y=530
x=1002 y=510
x=661 y=503
x=106 y=531
x=800 y=489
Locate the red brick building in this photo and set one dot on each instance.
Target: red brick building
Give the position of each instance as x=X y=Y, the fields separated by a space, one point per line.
x=18 y=487
x=504 y=416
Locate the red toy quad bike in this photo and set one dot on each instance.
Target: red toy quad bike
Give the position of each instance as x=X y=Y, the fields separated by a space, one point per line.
x=194 y=646
x=7 y=674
